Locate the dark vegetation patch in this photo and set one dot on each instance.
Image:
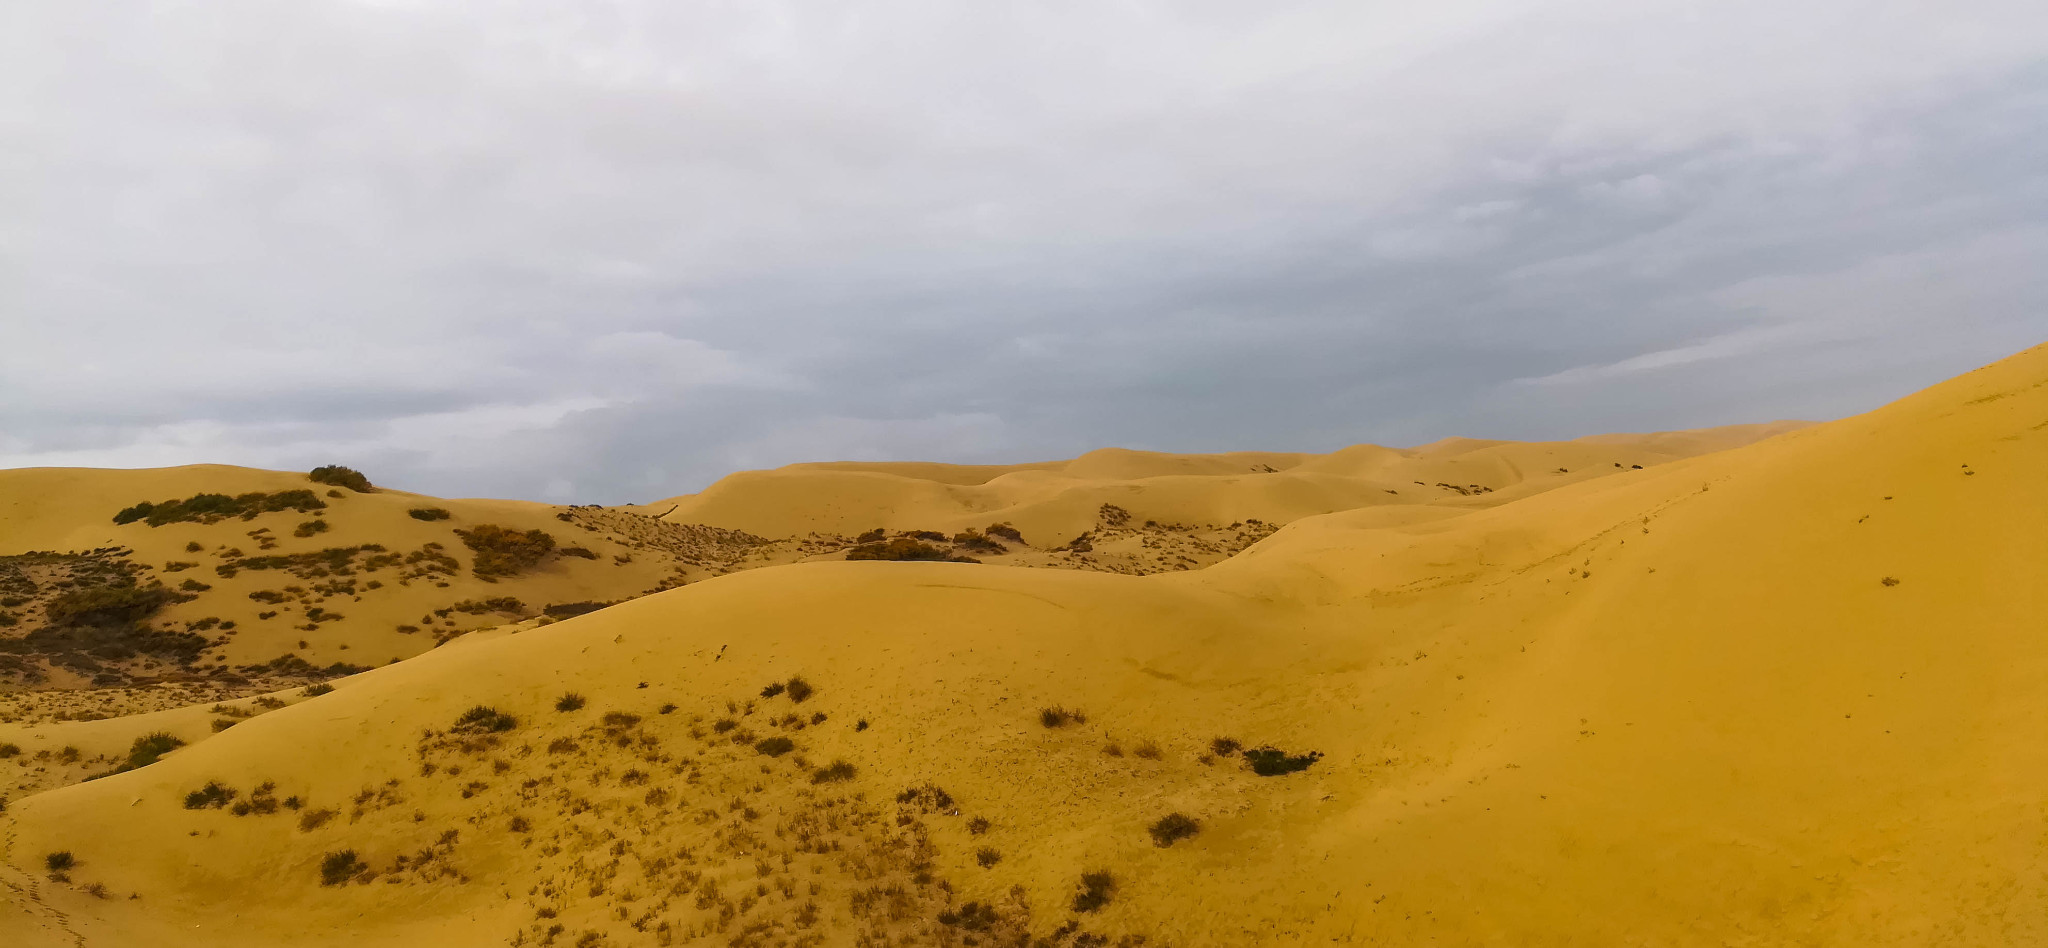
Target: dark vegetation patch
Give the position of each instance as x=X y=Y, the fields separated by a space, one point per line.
x=477 y=607
x=338 y=868
x=775 y=746
x=212 y=508
x=799 y=689
x=428 y=514
x=1272 y=762
x=148 y=749
x=485 y=719
x=213 y=796
x=838 y=771
x=338 y=476
x=927 y=798
x=1224 y=746
x=1096 y=889
x=901 y=548
x=570 y=610
x=332 y=561
x=569 y=701
x=1172 y=828
x=309 y=528
x=1057 y=716
x=290 y=665
x=503 y=551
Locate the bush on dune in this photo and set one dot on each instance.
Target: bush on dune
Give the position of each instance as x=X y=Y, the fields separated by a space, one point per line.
x=340 y=476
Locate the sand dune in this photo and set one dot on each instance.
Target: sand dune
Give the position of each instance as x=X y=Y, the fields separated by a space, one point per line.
x=1786 y=693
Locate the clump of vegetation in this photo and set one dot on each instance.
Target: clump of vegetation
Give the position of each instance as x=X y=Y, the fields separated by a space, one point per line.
x=569 y=701
x=927 y=797
x=428 y=513
x=311 y=820
x=775 y=746
x=799 y=689
x=148 y=749
x=485 y=719
x=838 y=771
x=987 y=857
x=213 y=796
x=774 y=688
x=977 y=826
x=503 y=551
x=1890 y=581
x=1172 y=828
x=1096 y=889
x=59 y=861
x=317 y=689
x=1272 y=762
x=340 y=476
x=1057 y=716
x=1224 y=746
x=337 y=868
x=1149 y=751
x=1005 y=531
x=211 y=508
x=310 y=527
x=901 y=548
x=975 y=541
x=876 y=535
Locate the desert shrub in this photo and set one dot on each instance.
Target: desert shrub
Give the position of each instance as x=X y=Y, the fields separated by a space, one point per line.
x=774 y=688
x=1005 y=531
x=339 y=867
x=901 y=548
x=520 y=825
x=977 y=826
x=987 y=857
x=148 y=748
x=59 y=861
x=836 y=772
x=1113 y=515
x=1172 y=828
x=978 y=542
x=1113 y=749
x=502 y=551
x=562 y=745
x=568 y=610
x=483 y=718
x=799 y=689
x=1149 y=751
x=569 y=701
x=860 y=725
x=876 y=535
x=618 y=720
x=1889 y=581
x=317 y=689
x=213 y=796
x=9 y=750
x=429 y=514
x=477 y=607
x=1224 y=746
x=193 y=585
x=208 y=508
x=1084 y=543
x=723 y=725
x=310 y=527
x=311 y=820
x=1057 y=716
x=927 y=797
x=1096 y=888
x=775 y=746
x=104 y=605
x=340 y=476
x=666 y=708
x=222 y=724
x=1271 y=762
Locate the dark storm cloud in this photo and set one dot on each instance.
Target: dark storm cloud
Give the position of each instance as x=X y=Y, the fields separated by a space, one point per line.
x=610 y=251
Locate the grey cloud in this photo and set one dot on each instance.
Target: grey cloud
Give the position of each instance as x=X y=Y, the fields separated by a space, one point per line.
x=608 y=251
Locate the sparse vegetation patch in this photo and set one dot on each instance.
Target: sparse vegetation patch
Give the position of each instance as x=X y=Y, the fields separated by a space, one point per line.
x=339 y=476
x=212 y=508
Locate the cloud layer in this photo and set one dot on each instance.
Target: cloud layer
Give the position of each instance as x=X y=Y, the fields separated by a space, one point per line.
x=610 y=251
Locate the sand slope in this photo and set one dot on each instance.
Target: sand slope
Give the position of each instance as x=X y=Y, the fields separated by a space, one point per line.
x=1790 y=693
x=1053 y=501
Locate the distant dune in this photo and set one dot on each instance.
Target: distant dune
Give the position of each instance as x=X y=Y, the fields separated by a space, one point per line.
x=1780 y=685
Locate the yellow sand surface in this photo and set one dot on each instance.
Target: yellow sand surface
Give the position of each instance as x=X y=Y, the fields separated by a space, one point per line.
x=1788 y=693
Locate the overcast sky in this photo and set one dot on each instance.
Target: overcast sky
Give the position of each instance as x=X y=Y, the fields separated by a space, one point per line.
x=610 y=251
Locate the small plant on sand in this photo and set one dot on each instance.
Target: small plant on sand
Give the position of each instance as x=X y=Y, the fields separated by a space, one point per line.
x=1224 y=747
x=310 y=820
x=1172 y=828
x=340 y=476
x=310 y=527
x=213 y=796
x=569 y=701
x=1096 y=889
x=775 y=746
x=148 y=748
x=1149 y=751
x=427 y=513
x=59 y=861
x=1890 y=581
x=338 y=868
x=838 y=771
x=987 y=857
x=774 y=688
x=317 y=689
x=1057 y=716
x=978 y=825
x=799 y=689
x=483 y=718
x=1272 y=762
x=503 y=551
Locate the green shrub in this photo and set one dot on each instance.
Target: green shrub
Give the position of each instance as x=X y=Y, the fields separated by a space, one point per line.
x=775 y=746
x=317 y=689
x=901 y=548
x=59 y=861
x=213 y=796
x=428 y=513
x=1005 y=531
x=987 y=857
x=1096 y=889
x=148 y=748
x=1271 y=762
x=338 y=868
x=482 y=718
x=310 y=527
x=502 y=551
x=1057 y=716
x=569 y=701
x=340 y=476
x=1172 y=828
x=799 y=689
x=838 y=771
x=208 y=508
